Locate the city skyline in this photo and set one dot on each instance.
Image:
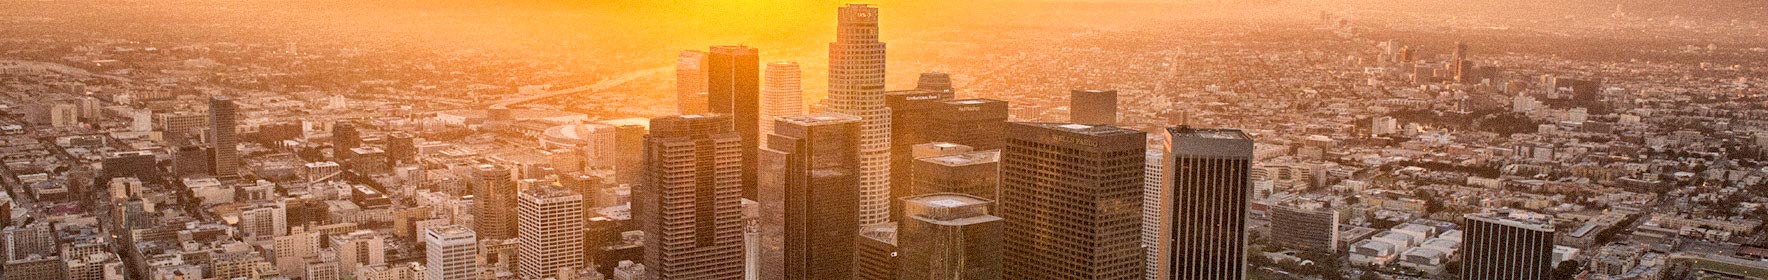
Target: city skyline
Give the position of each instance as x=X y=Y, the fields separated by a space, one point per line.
x=900 y=139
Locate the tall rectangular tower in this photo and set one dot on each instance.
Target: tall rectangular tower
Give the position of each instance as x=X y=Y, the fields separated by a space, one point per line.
x=856 y=87
x=949 y=236
x=550 y=221
x=1071 y=195
x=494 y=203
x=690 y=204
x=1505 y=244
x=782 y=95
x=1206 y=182
x=733 y=88
x=810 y=197
x=223 y=115
x=690 y=82
x=450 y=253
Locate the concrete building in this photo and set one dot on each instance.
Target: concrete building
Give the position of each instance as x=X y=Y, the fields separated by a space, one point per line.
x=494 y=203
x=782 y=95
x=690 y=204
x=856 y=87
x=1095 y=200
x=690 y=82
x=550 y=227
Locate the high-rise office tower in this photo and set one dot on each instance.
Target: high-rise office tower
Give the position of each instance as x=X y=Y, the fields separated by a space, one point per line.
x=1305 y=224
x=222 y=116
x=494 y=203
x=782 y=95
x=551 y=230
x=1459 y=65
x=1093 y=106
x=690 y=204
x=1206 y=182
x=1071 y=195
x=910 y=111
x=935 y=81
x=345 y=137
x=919 y=117
x=971 y=173
x=948 y=236
x=629 y=156
x=734 y=89
x=450 y=253
x=1504 y=244
x=810 y=198
x=1151 y=209
x=401 y=147
x=856 y=87
x=690 y=82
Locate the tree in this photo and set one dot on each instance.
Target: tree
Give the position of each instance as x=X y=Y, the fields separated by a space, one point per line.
x=1567 y=270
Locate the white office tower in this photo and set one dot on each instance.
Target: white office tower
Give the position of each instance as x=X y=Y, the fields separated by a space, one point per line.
x=856 y=87
x=450 y=253
x=782 y=94
x=1151 y=209
x=550 y=226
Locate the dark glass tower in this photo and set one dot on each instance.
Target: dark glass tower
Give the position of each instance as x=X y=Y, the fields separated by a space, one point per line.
x=1503 y=244
x=1207 y=181
x=733 y=79
x=1072 y=198
x=223 y=116
x=345 y=137
x=810 y=197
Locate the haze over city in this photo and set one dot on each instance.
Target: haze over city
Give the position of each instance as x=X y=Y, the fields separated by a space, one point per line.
x=890 y=139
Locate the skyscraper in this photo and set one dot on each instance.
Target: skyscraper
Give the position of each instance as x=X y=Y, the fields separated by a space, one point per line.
x=551 y=230
x=1505 y=244
x=910 y=110
x=401 y=147
x=1092 y=106
x=973 y=173
x=494 y=203
x=450 y=253
x=810 y=197
x=690 y=204
x=1206 y=182
x=919 y=117
x=856 y=87
x=734 y=89
x=782 y=95
x=1459 y=65
x=629 y=158
x=949 y=236
x=1151 y=209
x=222 y=116
x=344 y=138
x=935 y=81
x=690 y=82
x=1071 y=195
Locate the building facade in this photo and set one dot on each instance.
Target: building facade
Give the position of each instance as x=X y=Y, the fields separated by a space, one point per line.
x=1065 y=185
x=690 y=204
x=810 y=200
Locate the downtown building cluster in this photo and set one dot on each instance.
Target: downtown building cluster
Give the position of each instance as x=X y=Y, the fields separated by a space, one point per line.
x=748 y=181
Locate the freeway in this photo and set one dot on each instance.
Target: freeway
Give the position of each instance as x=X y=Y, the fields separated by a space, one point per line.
x=598 y=86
